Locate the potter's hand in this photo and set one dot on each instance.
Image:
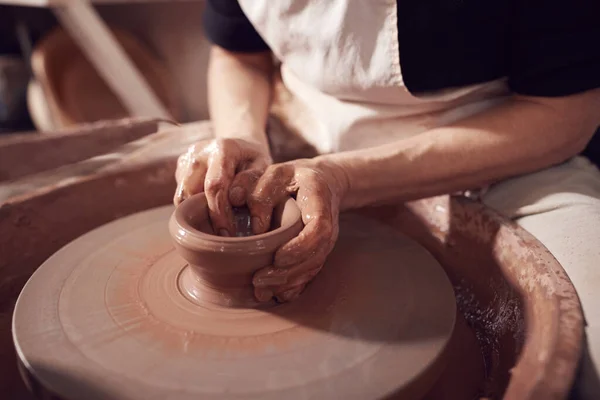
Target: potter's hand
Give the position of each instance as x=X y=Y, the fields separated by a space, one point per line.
x=318 y=187
x=226 y=170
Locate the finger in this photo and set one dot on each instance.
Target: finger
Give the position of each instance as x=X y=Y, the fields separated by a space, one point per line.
x=270 y=190
x=287 y=283
x=270 y=276
x=181 y=172
x=263 y=295
x=243 y=184
x=291 y=290
x=300 y=281
x=191 y=185
x=276 y=278
x=320 y=227
x=290 y=294
x=305 y=273
x=283 y=293
x=219 y=175
x=190 y=175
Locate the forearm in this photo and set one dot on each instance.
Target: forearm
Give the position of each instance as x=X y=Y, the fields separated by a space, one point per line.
x=517 y=137
x=239 y=94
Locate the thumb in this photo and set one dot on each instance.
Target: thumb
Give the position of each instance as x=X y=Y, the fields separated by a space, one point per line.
x=189 y=175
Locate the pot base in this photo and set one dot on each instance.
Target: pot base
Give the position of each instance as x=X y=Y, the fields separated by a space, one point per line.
x=107 y=311
x=195 y=290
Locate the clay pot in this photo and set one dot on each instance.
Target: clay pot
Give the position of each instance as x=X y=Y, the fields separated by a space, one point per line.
x=221 y=268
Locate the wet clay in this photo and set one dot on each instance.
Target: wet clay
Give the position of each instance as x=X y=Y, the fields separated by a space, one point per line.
x=107 y=312
x=221 y=268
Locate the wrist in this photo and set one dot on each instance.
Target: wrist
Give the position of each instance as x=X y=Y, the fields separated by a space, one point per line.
x=336 y=174
x=256 y=138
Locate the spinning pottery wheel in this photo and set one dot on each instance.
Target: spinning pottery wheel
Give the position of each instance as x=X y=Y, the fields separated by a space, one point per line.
x=122 y=314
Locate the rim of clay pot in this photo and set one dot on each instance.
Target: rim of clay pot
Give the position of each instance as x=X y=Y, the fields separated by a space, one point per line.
x=182 y=229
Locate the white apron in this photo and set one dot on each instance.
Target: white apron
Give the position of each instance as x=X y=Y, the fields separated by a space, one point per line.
x=340 y=58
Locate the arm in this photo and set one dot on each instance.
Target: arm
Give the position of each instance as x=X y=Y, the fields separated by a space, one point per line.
x=239 y=90
x=240 y=74
x=239 y=94
x=522 y=135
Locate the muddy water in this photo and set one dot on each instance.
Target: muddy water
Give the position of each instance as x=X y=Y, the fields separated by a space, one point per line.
x=243 y=226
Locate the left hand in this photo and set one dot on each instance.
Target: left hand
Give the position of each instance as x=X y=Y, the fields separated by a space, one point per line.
x=319 y=188
x=225 y=170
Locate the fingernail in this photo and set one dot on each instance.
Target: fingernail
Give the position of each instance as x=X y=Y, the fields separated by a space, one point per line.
x=224 y=232
x=256 y=225
x=263 y=295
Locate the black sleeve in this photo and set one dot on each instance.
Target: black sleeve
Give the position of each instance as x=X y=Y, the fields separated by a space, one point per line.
x=555 y=47
x=227 y=26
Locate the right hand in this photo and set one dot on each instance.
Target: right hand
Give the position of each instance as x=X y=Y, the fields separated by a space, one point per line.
x=227 y=171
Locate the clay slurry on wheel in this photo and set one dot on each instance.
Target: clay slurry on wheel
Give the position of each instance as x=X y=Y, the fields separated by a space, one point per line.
x=106 y=312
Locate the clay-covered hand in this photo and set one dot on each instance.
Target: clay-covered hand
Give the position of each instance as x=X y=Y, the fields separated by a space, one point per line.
x=226 y=170
x=319 y=188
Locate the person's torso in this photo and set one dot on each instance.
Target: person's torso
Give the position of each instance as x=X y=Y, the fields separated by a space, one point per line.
x=343 y=61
